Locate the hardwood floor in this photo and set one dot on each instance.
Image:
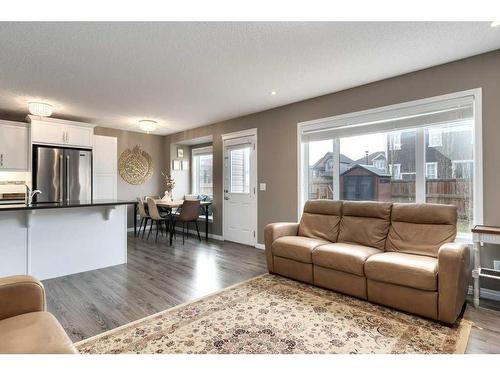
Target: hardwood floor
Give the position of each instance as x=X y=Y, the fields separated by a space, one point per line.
x=158 y=277
x=155 y=278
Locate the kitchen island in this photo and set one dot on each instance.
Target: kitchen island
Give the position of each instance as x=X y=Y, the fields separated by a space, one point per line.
x=49 y=240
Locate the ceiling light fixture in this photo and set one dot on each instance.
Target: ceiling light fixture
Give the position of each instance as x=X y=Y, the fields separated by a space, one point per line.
x=40 y=109
x=273 y=93
x=495 y=24
x=147 y=125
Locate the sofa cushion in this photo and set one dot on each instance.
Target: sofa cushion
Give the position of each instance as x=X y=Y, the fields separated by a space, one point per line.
x=32 y=333
x=421 y=228
x=415 y=271
x=296 y=247
x=344 y=257
x=365 y=223
x=321 y=219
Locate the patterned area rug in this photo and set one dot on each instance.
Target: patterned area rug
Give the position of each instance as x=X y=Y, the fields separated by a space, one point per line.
x=271 y=314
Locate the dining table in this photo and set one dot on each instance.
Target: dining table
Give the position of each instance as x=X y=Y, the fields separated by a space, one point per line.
x=169 y=206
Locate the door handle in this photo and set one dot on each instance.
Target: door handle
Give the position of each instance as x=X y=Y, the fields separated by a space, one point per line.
x=67 y=178
x=61 y=181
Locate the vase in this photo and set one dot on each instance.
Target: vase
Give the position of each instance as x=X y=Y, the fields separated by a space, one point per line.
x=167 y=196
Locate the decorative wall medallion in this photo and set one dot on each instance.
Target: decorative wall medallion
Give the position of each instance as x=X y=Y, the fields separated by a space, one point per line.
x=135 y=166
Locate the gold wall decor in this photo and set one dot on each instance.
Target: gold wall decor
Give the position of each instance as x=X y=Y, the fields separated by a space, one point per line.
x=135 y=166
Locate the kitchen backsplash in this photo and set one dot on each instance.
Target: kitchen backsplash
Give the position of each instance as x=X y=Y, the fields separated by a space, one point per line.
x=13 y=182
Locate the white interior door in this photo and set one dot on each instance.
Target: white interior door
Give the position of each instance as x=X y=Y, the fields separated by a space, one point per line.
x=240 y=180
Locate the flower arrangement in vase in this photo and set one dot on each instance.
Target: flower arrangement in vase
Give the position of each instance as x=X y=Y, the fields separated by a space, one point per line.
x=170 y=184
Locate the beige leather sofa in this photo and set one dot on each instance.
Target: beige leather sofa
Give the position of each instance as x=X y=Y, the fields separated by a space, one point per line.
x=400 y=255
x=25 y=326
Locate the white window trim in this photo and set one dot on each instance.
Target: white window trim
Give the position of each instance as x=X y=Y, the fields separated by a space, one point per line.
x=208 y=150
x=433 y=131
x=398 y=110
x=434 y=163
x=377 y=162
x=393 y=145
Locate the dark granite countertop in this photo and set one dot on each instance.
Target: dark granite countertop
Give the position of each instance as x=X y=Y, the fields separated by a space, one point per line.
x=66 y=204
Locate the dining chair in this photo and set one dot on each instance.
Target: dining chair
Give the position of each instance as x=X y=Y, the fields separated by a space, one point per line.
x=189 y=213
x=144 y=216
x=156 y=217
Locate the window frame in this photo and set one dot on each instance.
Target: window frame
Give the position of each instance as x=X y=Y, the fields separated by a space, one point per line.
x=196 y=152
x=433 y=163
x=373 y=118
x=395 y=146
x=246 y=170
x=374 y=162
x=391 y=170
x=434 y=131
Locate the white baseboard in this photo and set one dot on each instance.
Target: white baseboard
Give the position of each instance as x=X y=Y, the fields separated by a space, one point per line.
x=217 y=237
x=487 y=293
x=202 y=234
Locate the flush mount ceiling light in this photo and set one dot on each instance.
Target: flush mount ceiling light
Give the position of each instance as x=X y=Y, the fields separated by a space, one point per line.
x=40 y=109
x=148 y=125
x=495 y=24
x=273 y=93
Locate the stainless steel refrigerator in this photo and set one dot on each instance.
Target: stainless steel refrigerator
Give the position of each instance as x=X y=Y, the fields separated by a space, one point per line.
x=62 y=174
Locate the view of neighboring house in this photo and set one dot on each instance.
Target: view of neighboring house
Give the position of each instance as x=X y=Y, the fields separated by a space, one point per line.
x=389 y=175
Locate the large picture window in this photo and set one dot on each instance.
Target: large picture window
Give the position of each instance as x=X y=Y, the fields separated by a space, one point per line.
x=202 y=171
x=422 y=151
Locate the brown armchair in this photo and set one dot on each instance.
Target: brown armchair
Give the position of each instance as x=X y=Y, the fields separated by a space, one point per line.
x=189 y=213
x=25 y=326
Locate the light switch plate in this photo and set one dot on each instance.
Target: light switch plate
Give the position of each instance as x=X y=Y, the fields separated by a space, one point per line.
x=262 y=186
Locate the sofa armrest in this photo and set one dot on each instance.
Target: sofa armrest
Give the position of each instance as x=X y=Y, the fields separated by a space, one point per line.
x=274 y=231
x=20 y=295
x=454 y=274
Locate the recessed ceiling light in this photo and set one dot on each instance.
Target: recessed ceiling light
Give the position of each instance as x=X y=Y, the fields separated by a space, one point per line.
x=40 y=109
x=273 y=93
x=147 y=125
x=495 y=24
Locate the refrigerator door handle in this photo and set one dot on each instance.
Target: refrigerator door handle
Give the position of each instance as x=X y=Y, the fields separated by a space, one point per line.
x=67 y=178
x=61 y=182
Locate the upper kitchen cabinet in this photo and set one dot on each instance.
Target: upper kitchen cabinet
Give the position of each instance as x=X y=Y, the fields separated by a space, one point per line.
x=13 y=146
x=61 y=132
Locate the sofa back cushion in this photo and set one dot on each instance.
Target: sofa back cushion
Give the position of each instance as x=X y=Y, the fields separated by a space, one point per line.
x=365 y=223
x=321 y=219
x=421 y=228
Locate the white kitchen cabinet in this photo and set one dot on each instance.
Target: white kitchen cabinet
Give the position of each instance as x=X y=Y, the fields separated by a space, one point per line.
x=79 y=136
x=42 y=132
x=13 y=146
x=105 y=167
x=61 y=132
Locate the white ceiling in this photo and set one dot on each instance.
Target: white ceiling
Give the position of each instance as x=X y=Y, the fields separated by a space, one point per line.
x=187 y=75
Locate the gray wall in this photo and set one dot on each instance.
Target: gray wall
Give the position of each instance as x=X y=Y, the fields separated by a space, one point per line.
x=277 y=132
x=152 y=144
x=182 y=177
